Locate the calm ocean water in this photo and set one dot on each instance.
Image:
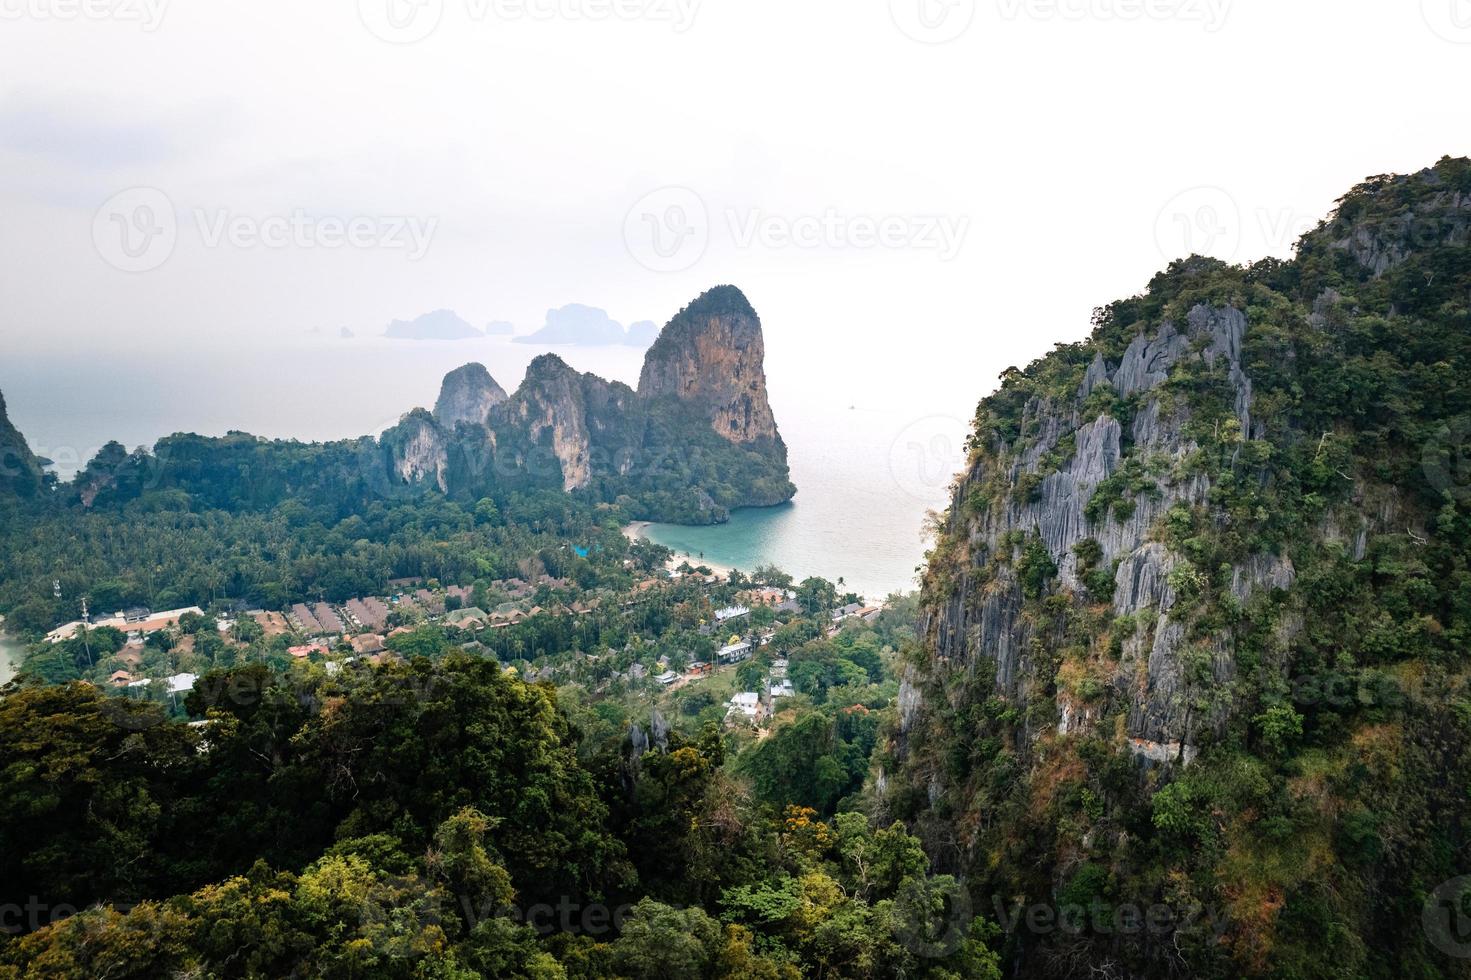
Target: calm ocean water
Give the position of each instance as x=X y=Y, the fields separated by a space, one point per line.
x=873 y=444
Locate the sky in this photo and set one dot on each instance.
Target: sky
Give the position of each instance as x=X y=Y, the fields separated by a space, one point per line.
x=915 y=186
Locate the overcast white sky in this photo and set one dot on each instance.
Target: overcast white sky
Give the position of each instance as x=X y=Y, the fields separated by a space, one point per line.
x=972 y=199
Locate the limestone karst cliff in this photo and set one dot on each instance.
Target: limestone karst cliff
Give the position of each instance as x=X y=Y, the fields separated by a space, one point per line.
x=689 y=455
x=1204 y=575
x=713 y=355
x=701 y=403
x=467 y=395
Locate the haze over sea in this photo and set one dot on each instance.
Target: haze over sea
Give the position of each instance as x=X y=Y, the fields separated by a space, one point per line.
x=874 y=437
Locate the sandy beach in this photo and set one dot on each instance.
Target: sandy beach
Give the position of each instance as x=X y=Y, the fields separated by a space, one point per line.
x=638 y=530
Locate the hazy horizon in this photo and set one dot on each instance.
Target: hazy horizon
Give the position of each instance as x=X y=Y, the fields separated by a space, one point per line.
x=266 y=170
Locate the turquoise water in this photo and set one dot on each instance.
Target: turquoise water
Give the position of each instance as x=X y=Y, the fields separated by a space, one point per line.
x=865 y=479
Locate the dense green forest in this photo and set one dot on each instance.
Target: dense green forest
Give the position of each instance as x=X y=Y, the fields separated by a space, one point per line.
x=442 y=817
x=1308 y=637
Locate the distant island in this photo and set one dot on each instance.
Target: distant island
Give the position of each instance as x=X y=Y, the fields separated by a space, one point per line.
x=587 y=326
x=439 y=325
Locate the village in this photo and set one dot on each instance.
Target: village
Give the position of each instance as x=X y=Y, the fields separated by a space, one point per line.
x=160 y=650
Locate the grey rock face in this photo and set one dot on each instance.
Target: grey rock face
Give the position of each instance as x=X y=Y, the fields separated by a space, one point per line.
x=1441 y=220
x=980 y=616
x=712 y=354
x=467 y=395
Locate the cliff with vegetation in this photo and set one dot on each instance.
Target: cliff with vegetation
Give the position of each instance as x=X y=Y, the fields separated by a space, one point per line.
x=1197 y=617
x=20 y=471
x=691 y=445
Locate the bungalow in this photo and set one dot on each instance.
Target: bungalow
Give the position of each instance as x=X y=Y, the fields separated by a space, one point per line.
x=306 y=650
x=472 y=618
x=745 y=706
x=638 y=672
x=120 y=678
x=782 y=689
x=731 y=612
x=734 y=653
x=667 y=678
x=367 y=643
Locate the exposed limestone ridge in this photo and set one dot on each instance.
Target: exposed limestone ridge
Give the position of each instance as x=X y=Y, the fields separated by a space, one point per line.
x=467 y=394
x=552 y=399
x=712 y=355
x=419 y=450
x=705 y=400
x=1387 y=220
x=980 y=615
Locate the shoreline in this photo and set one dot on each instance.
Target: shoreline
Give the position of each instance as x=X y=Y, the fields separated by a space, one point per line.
x=639 y=531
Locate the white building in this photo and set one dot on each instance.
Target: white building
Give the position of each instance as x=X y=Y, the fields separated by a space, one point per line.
x=734 y=653
x=177 y=683
x=746 y=705
x=731 y=612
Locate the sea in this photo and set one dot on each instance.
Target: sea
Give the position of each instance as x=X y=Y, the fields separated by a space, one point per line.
x=873 y=441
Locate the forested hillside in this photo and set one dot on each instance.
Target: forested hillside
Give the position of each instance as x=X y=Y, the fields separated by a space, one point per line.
x=1197 y=621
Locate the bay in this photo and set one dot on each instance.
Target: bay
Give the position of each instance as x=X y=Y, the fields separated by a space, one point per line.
x=874 y=436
